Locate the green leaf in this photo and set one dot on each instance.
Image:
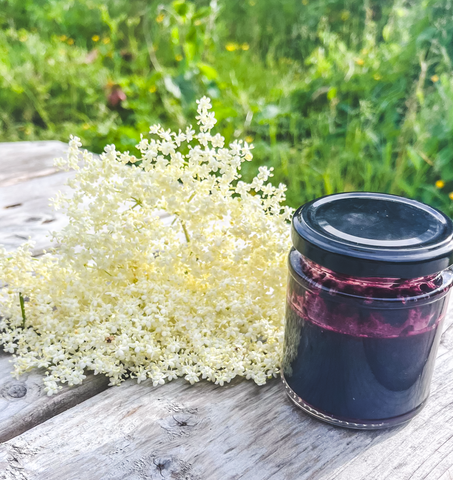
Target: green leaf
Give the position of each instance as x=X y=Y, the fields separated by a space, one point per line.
x=189 y=50
x=202 y=12
x=444 y=158
x=406 y=188
x=175 y=35
x=426 y=36
x=414 y=157
x=209 y=72
x=332 y=93
x=192 y=34
x=180 y=7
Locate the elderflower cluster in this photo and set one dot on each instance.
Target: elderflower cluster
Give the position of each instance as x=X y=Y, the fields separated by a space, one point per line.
x=170 y=266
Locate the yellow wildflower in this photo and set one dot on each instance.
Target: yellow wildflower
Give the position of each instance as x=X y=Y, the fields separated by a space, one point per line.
x=178 y=58
x=152 y=89
x=450 y=195
x=62 y=38
x=86 y=126
x=440 y=184
x=95 y=38
x=245 y=46
x=231 y=47
x=434 y=78
x=249 y=139
x=376 y=76
x=70 y=41
x=106 y=40
x=197 y=22
x=160 y=18
x=359 y=61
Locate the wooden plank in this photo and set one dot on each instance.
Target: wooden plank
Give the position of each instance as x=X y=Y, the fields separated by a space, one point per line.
x=240 y=431
x=448 y=475
x=21 y=161
x=27 y=180
x=25 y=211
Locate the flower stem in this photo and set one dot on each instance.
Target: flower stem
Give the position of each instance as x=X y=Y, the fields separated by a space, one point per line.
x=186 y=233
x=22 y=309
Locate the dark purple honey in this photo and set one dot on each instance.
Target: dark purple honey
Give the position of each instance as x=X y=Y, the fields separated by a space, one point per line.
x=362 y=349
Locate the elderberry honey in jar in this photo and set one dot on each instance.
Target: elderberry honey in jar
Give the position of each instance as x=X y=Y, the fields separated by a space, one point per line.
x=369 y=281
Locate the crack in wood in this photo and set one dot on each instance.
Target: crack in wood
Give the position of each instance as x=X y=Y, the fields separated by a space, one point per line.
x=15 y=205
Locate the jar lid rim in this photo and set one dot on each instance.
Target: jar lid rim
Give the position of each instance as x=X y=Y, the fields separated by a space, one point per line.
x=374 y=234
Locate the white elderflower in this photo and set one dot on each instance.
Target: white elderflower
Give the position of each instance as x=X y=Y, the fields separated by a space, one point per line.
x=198 y=292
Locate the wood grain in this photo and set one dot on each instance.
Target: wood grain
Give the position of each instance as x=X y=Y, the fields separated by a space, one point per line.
x=21 y=161
x=25 y=211
x=28 y=180
x=241 y=431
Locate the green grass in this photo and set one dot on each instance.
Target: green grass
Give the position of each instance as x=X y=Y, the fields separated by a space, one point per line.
x=336 y=95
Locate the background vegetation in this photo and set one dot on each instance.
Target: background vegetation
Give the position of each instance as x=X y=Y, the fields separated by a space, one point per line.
x=336 y=95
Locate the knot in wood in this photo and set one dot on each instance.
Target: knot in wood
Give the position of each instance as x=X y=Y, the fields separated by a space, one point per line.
x=162 y=464
x=15 y=390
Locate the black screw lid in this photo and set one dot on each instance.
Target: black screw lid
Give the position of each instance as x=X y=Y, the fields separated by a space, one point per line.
x=374 y=235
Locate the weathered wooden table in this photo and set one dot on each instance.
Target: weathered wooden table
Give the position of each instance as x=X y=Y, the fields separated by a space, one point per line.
x=178 y=431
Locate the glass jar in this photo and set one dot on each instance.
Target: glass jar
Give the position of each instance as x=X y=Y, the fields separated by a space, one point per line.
x=368 y=288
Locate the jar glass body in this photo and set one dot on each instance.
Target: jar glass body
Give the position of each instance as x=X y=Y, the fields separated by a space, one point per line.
x=359 y=352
